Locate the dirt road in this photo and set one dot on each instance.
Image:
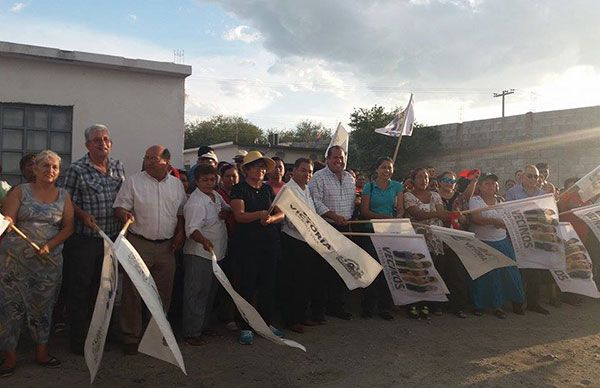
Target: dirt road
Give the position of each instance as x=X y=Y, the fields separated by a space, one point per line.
x=532 y=350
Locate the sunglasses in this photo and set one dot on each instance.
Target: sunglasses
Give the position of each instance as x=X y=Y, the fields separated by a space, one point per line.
x=447 y=180
x=532 y=176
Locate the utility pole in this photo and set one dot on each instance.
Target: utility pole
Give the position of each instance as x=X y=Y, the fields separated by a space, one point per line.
x=504 y=93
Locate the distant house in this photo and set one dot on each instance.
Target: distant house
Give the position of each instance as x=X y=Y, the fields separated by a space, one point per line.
x=49 y=96
x=288 y=152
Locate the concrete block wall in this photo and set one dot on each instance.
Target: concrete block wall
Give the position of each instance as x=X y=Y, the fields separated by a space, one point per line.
x=569 y=140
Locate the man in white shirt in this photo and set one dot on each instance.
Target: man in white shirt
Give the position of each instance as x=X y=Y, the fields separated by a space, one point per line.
x=333 y=192
x=302 y=269
x=154 y=199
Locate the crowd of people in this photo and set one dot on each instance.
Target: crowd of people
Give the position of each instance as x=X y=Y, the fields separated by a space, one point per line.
x=220 y=209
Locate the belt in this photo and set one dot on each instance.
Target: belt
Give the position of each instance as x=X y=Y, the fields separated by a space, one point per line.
x=152 y=241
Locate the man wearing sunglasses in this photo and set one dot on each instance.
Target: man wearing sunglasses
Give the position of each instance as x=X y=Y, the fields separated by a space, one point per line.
x=533 y=278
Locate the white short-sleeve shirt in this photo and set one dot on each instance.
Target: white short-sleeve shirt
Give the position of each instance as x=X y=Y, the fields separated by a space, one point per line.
x=154 y=204
x=485 y=232
x=201 y=213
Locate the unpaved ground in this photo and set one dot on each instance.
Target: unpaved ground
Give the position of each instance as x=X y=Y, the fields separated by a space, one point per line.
x=532 y=350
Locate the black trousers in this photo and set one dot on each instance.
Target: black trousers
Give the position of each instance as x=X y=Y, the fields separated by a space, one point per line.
x=455 y=276
x=258 y=268
x=377 y=294
x=336 y=291
x=302 y=280
x=83 y=257
x=533 y=280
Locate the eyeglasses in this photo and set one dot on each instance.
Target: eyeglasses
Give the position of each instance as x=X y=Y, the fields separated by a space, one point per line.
x=448 y=180
x=532 y=176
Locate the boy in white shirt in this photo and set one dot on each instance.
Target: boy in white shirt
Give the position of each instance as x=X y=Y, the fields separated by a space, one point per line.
x=206 y=234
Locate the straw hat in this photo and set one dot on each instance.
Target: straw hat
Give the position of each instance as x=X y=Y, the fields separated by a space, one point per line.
x=253 y=156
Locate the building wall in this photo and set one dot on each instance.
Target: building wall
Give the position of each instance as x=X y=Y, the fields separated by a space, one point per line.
x=568 y=140
x=140 y=109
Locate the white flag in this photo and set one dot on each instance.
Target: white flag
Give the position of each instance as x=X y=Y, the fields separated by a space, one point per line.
x=577 y=277
x=340 y=138
x=402 y=124
x=352 y=263
x=408 y=269
x=394 y=226
x=96 y=337
x=141 y=278
x=477 y=257
x=588 y=186
x=3 y=224
x=248 y=311
x=533 y=227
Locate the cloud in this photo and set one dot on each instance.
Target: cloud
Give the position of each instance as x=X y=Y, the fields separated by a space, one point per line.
x=241 y=33
x=17 y=7
x=429 y=43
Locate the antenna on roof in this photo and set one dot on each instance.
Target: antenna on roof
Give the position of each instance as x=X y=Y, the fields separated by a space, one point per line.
x=178 y=56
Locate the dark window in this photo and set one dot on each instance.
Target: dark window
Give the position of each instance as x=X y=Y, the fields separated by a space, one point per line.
x=26 y=128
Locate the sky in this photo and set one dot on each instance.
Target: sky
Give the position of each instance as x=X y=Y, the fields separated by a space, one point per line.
x=278 y=62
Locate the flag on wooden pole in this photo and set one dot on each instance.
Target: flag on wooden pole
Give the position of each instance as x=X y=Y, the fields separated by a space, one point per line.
x=402 y=124
x=340 y=138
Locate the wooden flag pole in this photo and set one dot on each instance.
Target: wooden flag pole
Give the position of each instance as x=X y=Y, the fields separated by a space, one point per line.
x=33 y=244
x=397 y=149
x=125 y=227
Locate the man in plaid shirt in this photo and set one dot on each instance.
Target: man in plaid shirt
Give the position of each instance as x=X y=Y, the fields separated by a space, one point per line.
x=93 y=183
x=333 y=191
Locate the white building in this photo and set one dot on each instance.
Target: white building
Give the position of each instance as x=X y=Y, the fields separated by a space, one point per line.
x=49 y=96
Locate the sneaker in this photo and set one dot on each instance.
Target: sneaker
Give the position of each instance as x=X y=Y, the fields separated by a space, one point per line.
x=246 y=337
x=424 y=313
x=413 y=313
x=276 y=331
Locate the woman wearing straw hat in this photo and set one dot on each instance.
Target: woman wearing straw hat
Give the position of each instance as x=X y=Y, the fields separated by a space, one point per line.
x=257 y=239
x=30 y=280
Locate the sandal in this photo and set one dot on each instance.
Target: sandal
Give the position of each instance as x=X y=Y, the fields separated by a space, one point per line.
x=195 y=341
x=477 y=313
x=500 y=314
x=7 y=371
x=52 y=362
x=386 y=315
x=424 y=313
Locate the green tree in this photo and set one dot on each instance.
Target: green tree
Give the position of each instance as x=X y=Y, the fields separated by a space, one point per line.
x=219 y=129
x=305 y=131
x=366 y=145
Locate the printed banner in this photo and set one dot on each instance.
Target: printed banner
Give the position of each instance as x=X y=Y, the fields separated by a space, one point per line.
x=589 y=186
x=96 y=337
x=577 y=277
x=477 y=257
x=591 y=216
x=248 y=311
x=533 y=227
x=352 y=263
x=396 y=226
x=408 y=269
x=139 y=274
